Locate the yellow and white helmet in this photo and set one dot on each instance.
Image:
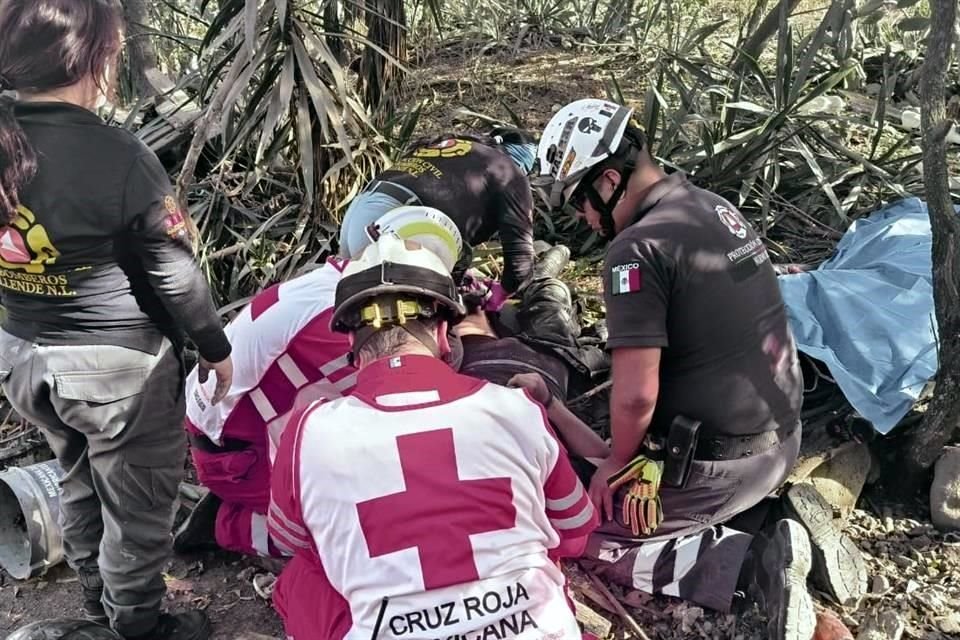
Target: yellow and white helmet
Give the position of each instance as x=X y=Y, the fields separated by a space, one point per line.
x=578 y=137
x=395 y=280
x=430 y=228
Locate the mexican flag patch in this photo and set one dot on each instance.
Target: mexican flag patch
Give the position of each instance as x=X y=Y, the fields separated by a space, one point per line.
x=626 y=278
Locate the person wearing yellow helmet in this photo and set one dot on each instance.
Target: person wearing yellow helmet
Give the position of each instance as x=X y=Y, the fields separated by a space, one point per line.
x=286 y=356
x=427 y=503
x=706 y=392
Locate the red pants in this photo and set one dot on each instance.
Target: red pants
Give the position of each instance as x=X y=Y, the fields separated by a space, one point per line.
x=308 y=604
x=241 y=479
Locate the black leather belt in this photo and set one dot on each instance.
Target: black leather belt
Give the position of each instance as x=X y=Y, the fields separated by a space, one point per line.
x=395 y=191
x=203 y=443
x=712 y=447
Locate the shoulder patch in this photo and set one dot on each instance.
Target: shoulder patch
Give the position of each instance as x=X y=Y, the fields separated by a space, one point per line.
x=626 y=278
x=731 y=220
x=175 y=224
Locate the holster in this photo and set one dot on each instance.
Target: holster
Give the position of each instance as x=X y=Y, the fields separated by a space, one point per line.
x=679 y=451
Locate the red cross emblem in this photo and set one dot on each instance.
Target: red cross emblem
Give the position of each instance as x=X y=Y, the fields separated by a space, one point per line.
x=438 y=512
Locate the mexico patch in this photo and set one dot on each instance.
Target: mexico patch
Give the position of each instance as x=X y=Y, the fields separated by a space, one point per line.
x=626 y=278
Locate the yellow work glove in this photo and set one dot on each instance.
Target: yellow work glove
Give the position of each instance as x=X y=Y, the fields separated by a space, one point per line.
x=642 y=511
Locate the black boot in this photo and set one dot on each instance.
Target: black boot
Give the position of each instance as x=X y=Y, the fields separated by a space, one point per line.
x=552 y=262
x=546 y=313
x=198 y=531
x=192 y=625
x=91 y=585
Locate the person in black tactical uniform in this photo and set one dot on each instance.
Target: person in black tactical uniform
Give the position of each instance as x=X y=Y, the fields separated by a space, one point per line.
x=480 y=182
x=99 y=283
x=706 y=385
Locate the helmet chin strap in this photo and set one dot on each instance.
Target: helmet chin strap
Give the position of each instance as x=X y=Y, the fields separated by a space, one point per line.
x=605 y=207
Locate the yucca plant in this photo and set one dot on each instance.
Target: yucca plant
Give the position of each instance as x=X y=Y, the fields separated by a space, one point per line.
x=788 y=138
x=285 y=142
x=782 y=145
x=380 y=78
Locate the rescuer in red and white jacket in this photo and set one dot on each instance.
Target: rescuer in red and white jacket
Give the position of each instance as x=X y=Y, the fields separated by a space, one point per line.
x=427 y=504
x=284 y=353
x=285 y=356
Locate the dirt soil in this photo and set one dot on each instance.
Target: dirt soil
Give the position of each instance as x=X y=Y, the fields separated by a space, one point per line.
x=219 y=582
x=914 y=586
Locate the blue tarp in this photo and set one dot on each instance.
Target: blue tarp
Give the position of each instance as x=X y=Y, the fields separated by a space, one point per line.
x=868 y=314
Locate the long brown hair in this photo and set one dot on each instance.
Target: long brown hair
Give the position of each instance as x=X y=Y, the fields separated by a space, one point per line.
x=44 y=45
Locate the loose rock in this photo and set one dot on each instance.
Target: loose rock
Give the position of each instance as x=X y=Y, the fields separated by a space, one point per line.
x=881 y=584
x=829 y=627
x=945 y=491
x=881 y=626
x=921 y=542
x=950 y=624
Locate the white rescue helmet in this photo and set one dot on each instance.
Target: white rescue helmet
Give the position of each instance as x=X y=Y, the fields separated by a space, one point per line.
x=578 y=137
x=430 y=228
x=387 y=281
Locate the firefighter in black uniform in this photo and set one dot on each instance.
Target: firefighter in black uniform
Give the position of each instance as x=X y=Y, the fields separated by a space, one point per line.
x=479 y=182
x=99 y=283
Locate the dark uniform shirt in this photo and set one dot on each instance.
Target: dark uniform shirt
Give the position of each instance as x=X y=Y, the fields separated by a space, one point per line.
x=99 y=251
x=692 y=277
x=482 y=190
x=499 y=359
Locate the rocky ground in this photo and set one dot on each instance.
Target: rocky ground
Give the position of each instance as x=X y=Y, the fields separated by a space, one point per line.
x=914 y=587
x=914 y=590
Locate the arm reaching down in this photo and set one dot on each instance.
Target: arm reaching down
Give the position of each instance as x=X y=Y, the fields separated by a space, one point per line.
x=285 y=525
x=579 y=438
x=516 y=233
x=636 y=383
x=637 y=280
x=568 y=506
x=161 y=240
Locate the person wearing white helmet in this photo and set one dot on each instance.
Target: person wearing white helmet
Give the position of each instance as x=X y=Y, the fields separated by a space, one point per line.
x=285 y=355
x=706 y=392
x=427 y=504
x=479 y=181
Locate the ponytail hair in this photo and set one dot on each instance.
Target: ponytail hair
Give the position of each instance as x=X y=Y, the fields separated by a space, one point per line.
x=18 y=162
